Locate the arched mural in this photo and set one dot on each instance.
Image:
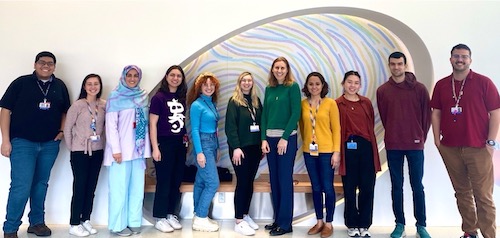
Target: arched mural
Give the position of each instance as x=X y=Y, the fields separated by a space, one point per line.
x=331 y=44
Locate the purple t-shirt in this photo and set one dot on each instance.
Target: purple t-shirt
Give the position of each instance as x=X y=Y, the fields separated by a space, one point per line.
x=171 y=112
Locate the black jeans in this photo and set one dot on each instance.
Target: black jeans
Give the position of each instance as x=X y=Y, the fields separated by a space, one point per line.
x=360 y=174
x=245 y=175
x=86 y=170
x=169 y=173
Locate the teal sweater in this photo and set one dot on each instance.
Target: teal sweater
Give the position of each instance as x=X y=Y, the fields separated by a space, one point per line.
x=238 y=122
x=281 y=109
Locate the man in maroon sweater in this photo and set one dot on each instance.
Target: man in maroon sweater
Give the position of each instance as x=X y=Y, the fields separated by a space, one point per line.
x=403 y=104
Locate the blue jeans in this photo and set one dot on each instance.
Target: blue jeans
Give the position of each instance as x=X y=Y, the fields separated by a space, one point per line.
x=207 y=179
x=31 y=163
x=395 y=160
x=281 y=178
x=320 y=172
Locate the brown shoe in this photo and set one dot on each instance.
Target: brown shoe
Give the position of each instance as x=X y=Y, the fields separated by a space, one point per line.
x=10 y=235
x=316 y=229
x=40 y=230
x=326 y=232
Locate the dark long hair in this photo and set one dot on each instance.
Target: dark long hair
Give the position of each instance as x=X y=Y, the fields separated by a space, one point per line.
x=83 y=93
x=181 y=90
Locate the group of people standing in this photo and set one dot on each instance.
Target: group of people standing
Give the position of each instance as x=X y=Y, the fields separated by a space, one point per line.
x=338 y=136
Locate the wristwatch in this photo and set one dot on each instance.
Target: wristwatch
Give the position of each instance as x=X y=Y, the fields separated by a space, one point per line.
x=491 y=143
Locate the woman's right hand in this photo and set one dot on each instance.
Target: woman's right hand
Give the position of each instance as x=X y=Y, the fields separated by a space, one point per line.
x=118 y=157
x=265 y=147
x=156 y=155
x=238 y=156
x=201 y=160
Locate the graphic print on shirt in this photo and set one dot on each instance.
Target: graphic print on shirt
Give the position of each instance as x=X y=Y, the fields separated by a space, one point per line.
x=177 y=118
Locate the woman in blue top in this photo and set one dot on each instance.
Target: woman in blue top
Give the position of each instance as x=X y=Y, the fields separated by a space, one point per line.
x=202 y=98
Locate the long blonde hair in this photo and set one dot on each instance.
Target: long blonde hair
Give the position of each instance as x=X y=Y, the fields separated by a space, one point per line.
x=238 y=97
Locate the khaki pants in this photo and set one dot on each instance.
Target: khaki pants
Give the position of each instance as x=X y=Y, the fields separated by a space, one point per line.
x=471 y=173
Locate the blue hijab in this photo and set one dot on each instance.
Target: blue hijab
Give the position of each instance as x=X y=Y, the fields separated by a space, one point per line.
x=123 y=97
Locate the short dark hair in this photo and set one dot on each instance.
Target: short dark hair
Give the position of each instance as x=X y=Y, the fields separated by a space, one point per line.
x=349 y=73
x=461 y=47
x=324 y=89
x=83 y=92
x=45 y=54
x=397 y=55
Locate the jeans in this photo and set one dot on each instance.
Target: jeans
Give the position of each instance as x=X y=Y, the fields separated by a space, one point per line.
x=320 y=172
x=86 y=170
x=206 y=182
x=281 y=178
x=31 y=163
x=245 y=176
x=169 y=173
x=471 y=173
x=395 y=160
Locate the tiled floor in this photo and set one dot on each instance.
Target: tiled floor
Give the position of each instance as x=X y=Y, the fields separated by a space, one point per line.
x=61 y=231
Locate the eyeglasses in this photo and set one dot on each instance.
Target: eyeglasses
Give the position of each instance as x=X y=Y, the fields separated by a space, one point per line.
x=455 y=56
x=43 y=63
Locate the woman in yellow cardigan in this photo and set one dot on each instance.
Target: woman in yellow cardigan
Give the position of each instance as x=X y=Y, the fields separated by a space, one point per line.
x=320 y=130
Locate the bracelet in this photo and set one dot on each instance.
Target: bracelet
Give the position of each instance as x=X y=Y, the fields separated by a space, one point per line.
x=60 y=131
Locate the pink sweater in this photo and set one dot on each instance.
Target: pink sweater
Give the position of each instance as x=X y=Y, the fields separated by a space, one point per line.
x=77 y=129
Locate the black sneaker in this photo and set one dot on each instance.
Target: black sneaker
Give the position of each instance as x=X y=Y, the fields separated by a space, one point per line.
x=10 y=235
x=467 y=235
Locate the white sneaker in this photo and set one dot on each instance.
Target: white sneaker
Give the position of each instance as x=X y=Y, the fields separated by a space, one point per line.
x=88 y=226
x=353 y=232
x=204 y=224
x=174 y=222
x=250 y=222
x=212 y=221
x=78 y=230
x=244 y=228
x=363 y=232
x=163 y=225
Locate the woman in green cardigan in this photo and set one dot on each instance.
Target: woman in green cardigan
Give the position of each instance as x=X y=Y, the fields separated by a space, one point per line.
x=279 y=141
x=243 y=115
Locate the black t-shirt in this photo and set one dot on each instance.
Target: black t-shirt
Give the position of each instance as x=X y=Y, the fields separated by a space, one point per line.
x=28 y=120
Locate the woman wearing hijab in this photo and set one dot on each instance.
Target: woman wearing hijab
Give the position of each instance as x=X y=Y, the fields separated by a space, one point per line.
x=127 y=145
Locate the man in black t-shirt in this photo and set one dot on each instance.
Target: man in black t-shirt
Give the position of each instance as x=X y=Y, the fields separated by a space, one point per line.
x=33 y=110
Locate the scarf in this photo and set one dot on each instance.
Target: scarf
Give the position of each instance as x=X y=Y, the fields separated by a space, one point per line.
x=123 y=97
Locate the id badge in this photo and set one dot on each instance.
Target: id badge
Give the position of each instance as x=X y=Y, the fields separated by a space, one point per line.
x=185 y=141
x=44 y=105
x=352 y=145
x=456 y=110
x=313 y=149
x=254 y=128
x=95 y=138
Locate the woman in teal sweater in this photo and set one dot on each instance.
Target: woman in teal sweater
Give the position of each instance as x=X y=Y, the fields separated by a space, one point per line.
x=243 y=115
x=279 y=141
x=202 y=99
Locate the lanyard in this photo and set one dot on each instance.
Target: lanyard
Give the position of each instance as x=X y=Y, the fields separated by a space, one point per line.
x=460 y=93
x=94 y=118
x=313 y=118
x=212 y=110
x=252 y=111
x=46 y=91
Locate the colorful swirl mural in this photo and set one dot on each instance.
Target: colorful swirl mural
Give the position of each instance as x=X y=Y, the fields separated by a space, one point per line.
x=331 y=44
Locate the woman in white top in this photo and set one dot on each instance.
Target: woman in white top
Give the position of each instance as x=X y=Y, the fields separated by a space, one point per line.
x=127 y=144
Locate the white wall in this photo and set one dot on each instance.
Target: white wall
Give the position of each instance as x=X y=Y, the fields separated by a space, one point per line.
x=102 y=37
